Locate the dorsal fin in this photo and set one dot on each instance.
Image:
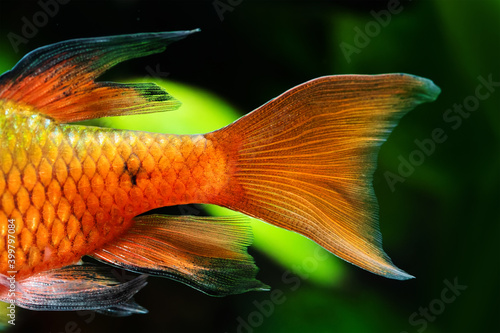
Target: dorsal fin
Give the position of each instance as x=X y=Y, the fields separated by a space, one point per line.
x=59 y=79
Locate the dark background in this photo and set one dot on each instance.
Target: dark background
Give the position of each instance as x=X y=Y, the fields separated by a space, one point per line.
x=441 y=223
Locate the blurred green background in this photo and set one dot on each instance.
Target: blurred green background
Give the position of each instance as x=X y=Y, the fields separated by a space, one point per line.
x=441 y=224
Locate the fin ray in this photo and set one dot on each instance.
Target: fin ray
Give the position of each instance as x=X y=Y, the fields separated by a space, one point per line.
x=59 y=79
x=79 y=287
x=305 y=160
x=206 y=253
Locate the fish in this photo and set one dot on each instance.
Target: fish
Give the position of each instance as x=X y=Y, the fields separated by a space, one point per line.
x=304 y=161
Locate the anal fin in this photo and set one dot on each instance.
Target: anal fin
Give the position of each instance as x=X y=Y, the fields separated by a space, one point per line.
x=78 y=287
x=206 y=253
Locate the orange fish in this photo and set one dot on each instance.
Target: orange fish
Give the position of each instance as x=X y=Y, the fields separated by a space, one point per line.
x=304 y=162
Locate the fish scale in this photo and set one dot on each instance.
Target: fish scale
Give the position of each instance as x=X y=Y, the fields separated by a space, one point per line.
x=70 y=189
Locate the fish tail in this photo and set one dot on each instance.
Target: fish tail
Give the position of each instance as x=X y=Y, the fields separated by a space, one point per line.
x=305 y=160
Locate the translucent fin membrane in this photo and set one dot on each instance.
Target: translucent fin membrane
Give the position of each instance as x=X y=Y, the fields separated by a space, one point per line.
x=206 y=253
x=59 y=79
x=79 y=287
x=305 y=160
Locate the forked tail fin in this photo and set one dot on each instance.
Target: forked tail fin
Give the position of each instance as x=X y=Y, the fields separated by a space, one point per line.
x=305 y=160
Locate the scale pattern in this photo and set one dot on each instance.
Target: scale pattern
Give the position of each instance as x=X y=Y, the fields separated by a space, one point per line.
x=70 y=189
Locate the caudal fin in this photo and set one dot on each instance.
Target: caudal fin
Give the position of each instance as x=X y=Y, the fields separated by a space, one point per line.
x=305 y=160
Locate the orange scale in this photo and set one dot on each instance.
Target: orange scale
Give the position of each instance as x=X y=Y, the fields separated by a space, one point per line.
x=111 y=182
x=106 y=201
x=89 y=167
x=49 y=214
x=179 y=187
x=163 y=163
x=63 y=210
x=29 y=177
x=35 y=155
x=155 y=151
x=79 y=206
x=146 y=139
x=66 y=152
x=50 y=151
x=34 y=256
x=148 y=163
x=54 y=192
x=136 y=195
x=58 y=232
x=32 y=218
x=83 y=186
x=140 y=150
x=142 y=179
x=121 y=198
x=69 y=189
x=20 y=259
x=92 y=203
x=14 y=180
x=6 y=162
x=150 y=191
x=61 y=170
x=45 y=172
x=75 y=169
x=73 y=227
x=124 y=150
x=102 y=217
x=38 y=195
x=87 y=223
x=94 y=151
x=118 y=164
x=8 y=203
x=26 y=240
x=97 y=185
x=64 y=248
x=23 y=200
x=165 y=189
x=79 y=242
x=171 y=176
x=42 y=237
x=125 y=182
x=103 y=166
x=185 y=175
x=93 y=236
x=133 y=164
x=108 y=150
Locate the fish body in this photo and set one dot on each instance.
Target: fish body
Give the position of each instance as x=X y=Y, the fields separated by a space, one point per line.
x=71 y=188
x=303 y=161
